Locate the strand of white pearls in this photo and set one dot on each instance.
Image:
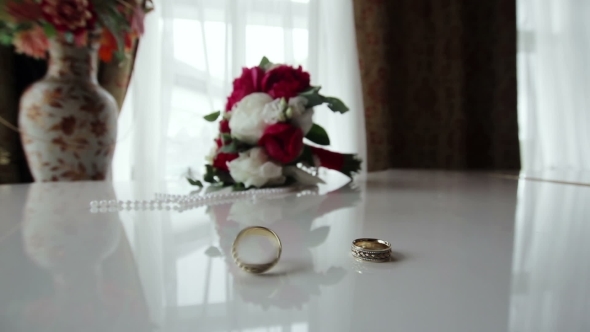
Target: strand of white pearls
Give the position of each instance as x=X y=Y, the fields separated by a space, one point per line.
x=182 y=203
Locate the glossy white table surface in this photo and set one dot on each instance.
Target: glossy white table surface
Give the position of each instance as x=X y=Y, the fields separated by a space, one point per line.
x=477 y=253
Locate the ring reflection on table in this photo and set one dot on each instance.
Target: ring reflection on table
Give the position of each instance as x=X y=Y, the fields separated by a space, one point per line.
x=251 y=246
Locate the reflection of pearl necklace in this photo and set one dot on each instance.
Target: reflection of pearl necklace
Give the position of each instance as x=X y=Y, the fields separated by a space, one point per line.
x=182 y=203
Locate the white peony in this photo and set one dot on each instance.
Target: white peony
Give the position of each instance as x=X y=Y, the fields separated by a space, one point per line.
x=253 y=169
x=300 y=116
x=247 y=120
x=274 y=111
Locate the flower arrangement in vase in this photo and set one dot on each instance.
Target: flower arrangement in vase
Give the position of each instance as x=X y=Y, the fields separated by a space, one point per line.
x=30 y=24
x=68 y=122
x=262 y=132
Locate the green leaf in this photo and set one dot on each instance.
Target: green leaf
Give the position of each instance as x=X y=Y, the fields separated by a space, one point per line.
x=225 y=137
x=212 y=117
x=306 y=156
x=209 y=176
x=49 y=30
x=5 y=39
x=195 y=182
x=6 y=33
x=113 y=20
x=235 y=146
x=264 y=63
x=120 y=56
x=230 y=148
x=313 y=97
x=318 y=135
x=314 y=100
x=224 y=177
x=336 y=105
x=312 y=90
x=239 y=187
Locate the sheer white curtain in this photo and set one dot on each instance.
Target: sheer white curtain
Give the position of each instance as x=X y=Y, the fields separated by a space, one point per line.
x=554 y=86
x=554 y=119
x=192 y=51
x=549 y=291
x=186 y=63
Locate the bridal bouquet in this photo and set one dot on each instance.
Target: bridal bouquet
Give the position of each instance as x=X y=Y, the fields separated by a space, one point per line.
x=267 y=136
x=29 y=24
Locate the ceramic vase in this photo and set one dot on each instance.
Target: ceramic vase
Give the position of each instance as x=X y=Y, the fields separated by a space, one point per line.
x=68 y=122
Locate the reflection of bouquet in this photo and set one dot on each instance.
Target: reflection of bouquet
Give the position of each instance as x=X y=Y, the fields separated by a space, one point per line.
x=292 y=218
x=28 y=24
x=262 y=131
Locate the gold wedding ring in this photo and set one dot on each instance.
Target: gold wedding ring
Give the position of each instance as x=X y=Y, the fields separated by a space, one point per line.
x=260 y=231
x=372 y=250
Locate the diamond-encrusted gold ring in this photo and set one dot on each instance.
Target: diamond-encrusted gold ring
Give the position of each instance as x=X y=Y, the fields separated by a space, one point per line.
x=372 y=250
x=256 y=268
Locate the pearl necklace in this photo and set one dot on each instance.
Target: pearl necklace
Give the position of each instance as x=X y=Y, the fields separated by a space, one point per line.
x=182 y=203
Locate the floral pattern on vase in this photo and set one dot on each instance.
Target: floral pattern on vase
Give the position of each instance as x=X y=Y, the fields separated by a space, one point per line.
x=68 y=121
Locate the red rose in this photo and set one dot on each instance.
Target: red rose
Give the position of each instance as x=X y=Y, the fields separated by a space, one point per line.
x=221 y=160
x=285 y=82
x=283 y=142
x=329 y=159
x=249 y=82
x=224 y=127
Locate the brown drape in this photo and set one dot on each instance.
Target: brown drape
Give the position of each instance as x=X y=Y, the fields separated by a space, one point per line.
x=9 y=142
x=16 y=73
x=439 y=83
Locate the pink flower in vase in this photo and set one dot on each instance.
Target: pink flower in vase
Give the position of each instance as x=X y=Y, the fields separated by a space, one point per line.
x=137 y=21
x=81 y=39
x=32 y=42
